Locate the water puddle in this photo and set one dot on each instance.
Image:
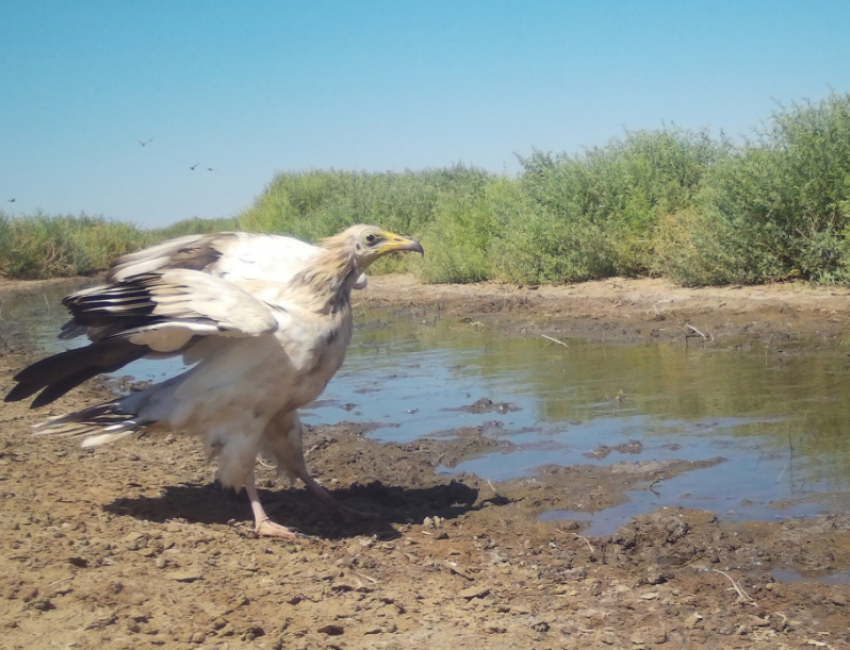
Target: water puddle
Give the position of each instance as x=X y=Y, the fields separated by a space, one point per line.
x=826 y=577
x=780 y=419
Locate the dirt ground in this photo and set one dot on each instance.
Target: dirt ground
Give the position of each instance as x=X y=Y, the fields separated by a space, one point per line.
x=134 y=545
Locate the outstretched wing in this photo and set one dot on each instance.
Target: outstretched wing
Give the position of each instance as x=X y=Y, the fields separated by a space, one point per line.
x=238 y=257
x=159 y=313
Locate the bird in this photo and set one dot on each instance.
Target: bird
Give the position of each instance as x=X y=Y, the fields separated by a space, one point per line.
x=210 y=169
x=262 y=320
x=193 y=166
x=11 y=200
x=143 y=142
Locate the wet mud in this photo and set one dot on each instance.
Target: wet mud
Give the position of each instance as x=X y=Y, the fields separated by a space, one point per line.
x=135 y=545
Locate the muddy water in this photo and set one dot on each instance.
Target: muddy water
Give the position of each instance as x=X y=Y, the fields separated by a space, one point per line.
x=777 y=417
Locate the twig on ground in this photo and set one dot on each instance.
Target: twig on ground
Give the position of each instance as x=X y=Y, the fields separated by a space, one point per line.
x=694 y=329
x=743 y=594
x=584 y=539
x=365 y=577
x=554 y=340
x=459 y=572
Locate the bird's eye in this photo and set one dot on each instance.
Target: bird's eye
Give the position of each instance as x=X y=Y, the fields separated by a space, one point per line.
x=371 y=239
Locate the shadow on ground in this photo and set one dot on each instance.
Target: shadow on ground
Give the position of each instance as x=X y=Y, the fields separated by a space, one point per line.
x=210 y=503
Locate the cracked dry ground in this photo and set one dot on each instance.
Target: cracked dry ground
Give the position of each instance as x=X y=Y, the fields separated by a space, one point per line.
x=134 y=546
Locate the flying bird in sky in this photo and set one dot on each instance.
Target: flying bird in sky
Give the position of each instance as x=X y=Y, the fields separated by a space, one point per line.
x=144 y=142
x=12 y=200
x=263 y=320
x=193 y=166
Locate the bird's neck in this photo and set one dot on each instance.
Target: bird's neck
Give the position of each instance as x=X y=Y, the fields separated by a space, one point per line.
x=325 y=285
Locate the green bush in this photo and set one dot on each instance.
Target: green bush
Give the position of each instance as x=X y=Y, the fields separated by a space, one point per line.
x=598 y=210
x=777 y=207
x=195 y=226
x=40 y=246
x=459 y=237
x=668 y=202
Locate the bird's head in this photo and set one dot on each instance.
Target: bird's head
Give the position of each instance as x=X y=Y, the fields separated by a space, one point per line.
x=369 y=243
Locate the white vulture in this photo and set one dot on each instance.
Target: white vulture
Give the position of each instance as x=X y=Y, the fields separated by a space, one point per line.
x=263 y=320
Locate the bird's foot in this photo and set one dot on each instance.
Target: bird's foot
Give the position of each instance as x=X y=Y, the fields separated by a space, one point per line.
x=265 y=527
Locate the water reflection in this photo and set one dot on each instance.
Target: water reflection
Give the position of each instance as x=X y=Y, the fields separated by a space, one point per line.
x=826 y=577
x=779 y=417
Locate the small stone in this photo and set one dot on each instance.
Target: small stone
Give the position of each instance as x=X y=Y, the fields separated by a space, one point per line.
x=659 y=637
x=28 y=593
x=693 y=620
x=540 y=626
x=189 y=575
x=331 y=630
x=161 y=562
x=102 y=618
x=478 y=591
x=135 y=541
x=198 y=637
x=655 y=576
x=41 y=605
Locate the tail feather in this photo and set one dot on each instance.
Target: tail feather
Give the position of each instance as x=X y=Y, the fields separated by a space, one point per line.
x=58 y=388
x=62 y=372
x=97 y=424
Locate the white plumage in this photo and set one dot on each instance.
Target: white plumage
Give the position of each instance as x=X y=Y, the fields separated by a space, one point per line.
x=266 y=321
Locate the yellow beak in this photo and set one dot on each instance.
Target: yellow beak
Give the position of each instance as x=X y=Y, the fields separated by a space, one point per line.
x=393 y=243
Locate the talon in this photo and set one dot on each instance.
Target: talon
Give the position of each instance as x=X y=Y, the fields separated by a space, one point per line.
x=266 y=527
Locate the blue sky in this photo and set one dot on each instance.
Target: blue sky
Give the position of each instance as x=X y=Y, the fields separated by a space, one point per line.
x=251 y=88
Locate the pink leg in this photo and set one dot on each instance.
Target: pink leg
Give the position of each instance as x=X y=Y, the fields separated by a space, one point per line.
x=262 y=524
x=282 y=438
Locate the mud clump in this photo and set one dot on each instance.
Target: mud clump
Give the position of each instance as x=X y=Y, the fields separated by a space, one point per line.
x=602 y=451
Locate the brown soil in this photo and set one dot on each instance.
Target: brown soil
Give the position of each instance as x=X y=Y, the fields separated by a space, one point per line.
x=621 y=309
x=134 y=545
